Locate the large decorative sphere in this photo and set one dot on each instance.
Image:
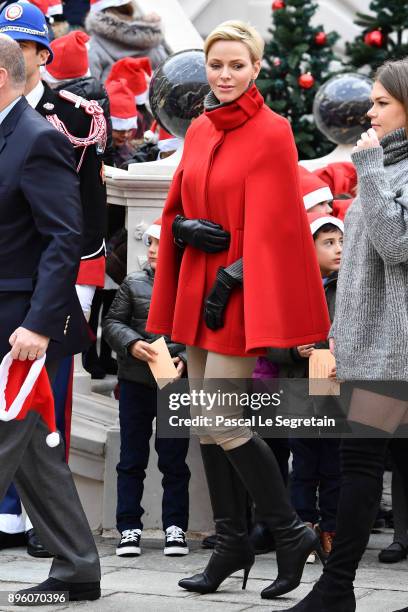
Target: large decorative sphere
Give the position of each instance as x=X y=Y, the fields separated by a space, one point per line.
x=177 y=90
x=340 y=107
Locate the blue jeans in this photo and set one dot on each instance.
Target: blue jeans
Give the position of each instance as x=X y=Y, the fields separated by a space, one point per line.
x=315 y=480
x=137 y=409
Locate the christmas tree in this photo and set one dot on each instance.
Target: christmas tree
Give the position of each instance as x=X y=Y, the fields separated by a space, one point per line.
x=298 y=59
x=382 y=37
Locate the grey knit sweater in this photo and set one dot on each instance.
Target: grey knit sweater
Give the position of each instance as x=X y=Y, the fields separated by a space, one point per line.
x=371 y=323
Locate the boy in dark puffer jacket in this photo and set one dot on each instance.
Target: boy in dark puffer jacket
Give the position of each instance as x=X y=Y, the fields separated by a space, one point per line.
x=125 y=330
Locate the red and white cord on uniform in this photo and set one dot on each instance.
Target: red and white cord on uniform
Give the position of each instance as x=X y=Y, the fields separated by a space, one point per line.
x=97 y=133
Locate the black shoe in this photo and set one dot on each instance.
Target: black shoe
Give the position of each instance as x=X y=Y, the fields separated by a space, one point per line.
x=316 y=601
x=261 y=539
x=233 y=551
x=209 y=542
x=34 y=546
x=12 y=540
x=129 y=545
x=76 y=591
x=258 y=469
x=175 y=542
x=393 y=553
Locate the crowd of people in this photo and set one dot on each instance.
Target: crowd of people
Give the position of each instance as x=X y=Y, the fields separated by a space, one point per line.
x=246 y=278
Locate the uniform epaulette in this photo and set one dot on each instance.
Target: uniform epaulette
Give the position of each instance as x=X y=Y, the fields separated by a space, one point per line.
x=97 y=134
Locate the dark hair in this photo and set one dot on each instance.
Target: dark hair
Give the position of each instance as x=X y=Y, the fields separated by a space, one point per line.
x=393 y=76
x=325 y=229
x=12 y=60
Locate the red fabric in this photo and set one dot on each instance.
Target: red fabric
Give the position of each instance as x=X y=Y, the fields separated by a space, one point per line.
x=239 y=169
x=70 y=56
x=340 y=207
x=40 y=399
x=129 y=69
x=92 y=272
x=341 y=177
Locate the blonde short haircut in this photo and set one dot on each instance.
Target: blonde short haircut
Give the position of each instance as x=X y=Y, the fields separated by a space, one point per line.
x=237 y=31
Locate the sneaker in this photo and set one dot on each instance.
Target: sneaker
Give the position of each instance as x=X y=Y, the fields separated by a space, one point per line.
x=129 y=545
x=175 y=542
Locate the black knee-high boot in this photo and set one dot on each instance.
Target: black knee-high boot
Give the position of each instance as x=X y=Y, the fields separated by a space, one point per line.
x=362 y=466
x=258 y=469
x=228 y=496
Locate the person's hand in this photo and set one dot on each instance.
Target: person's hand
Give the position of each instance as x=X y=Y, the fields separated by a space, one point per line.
x=333 y=374
x=200 y=234
x=143 y=351
x=217 y=299
x=180 y=365
x=151 y=17
x=305 y=350
x=331 y=345
x=368 y=140
x=27 y=344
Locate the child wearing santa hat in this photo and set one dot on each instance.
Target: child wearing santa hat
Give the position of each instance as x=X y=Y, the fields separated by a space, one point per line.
x=315 y=469
x=124 y=119
x=137 y=72
x=125 y=330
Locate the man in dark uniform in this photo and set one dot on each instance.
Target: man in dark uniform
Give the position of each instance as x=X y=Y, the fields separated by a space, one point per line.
x=26 y=24
x=40 y=235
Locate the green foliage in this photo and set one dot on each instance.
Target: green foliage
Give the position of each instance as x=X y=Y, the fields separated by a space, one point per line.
x=291 y=52
x=391 y=18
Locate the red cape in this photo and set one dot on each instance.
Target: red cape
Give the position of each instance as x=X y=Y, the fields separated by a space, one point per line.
x=239 y=169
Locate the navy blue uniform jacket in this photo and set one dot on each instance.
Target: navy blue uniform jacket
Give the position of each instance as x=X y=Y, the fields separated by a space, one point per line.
x=40 y=233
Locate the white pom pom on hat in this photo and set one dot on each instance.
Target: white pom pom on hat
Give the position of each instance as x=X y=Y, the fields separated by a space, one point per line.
x=25 y=386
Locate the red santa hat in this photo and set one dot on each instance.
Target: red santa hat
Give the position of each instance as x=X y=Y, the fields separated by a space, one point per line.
x=70 y=58
x=43 y=5
x=317 y=220
x=153 y=231
x=24 y=386
x=54 y=8
x=101 y=5
x=136 y=71
x=122 y=105
x=314 y=190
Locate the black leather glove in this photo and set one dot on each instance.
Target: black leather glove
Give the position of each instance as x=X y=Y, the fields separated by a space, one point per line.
x=217 y=299
x=200 y=234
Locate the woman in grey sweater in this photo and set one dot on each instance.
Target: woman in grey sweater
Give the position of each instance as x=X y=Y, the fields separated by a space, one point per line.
x=369 y=335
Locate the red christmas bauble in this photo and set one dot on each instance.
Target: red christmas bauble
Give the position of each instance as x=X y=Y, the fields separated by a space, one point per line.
x=375 y=38
x=278 y=4
x=321 y=38
x=306 y=81
x=276 y=61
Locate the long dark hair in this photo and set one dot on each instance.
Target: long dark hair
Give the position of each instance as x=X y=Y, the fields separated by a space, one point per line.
x=393 y=76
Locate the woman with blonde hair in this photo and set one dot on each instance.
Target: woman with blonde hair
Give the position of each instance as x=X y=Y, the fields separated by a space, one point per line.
x=236 y=195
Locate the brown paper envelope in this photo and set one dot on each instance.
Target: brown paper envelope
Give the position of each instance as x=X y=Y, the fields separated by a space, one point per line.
x=321 y=362
x=163 y=368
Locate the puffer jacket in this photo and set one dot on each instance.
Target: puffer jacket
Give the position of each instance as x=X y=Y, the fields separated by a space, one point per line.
x=125 y=323
x=91 y=89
